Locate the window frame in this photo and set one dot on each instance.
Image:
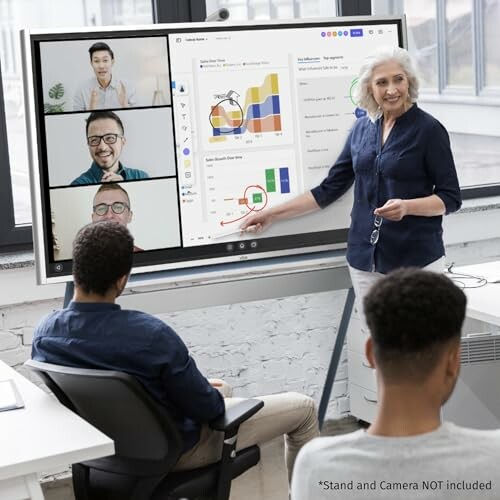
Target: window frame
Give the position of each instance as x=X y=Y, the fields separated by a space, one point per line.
x=353 y=7
x=12 y=237
x=178 y=11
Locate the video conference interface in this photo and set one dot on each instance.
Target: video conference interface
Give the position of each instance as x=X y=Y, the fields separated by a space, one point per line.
x=182 y=135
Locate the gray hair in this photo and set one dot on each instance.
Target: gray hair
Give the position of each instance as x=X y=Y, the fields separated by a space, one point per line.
x=364 y=97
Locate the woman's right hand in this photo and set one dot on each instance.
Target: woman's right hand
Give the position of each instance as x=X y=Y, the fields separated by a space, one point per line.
x=258 y=222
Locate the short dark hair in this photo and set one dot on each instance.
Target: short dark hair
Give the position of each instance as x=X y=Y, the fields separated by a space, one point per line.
x=100 y=46
x=112 y=186
x=102 y=254
x=103 y=115
x=412 y=316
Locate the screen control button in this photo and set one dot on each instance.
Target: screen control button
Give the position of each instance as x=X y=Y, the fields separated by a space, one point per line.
x=253 y=244
x=241 y=245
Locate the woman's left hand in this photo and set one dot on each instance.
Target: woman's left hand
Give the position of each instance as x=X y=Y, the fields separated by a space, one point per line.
x=394 y=209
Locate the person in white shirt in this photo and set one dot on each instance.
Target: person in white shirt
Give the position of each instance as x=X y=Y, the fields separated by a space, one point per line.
x=415 y=318
x=103 y=91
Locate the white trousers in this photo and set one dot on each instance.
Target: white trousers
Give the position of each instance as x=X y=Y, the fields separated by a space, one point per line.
x=362 y=281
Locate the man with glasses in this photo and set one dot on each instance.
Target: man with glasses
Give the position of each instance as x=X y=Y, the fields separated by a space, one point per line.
x=105 y=140
x=112 y=203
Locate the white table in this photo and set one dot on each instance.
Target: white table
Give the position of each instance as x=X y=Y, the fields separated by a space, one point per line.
x=483 y=303
x=42 y=436
x=476 y=399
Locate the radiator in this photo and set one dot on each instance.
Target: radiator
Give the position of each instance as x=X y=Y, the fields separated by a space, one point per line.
x=476 y=399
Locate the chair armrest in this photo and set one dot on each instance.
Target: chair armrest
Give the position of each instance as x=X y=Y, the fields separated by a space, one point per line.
x=229 y=423
x=237 y=414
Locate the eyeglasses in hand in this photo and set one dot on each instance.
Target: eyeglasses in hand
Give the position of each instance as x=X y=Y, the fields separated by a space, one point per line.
x=118 y=207
x=376 y=231
x=95 y=140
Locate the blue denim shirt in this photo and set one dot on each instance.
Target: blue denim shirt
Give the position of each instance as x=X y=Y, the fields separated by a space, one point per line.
x=94 y=175
x=103 y=336
x=415 y=161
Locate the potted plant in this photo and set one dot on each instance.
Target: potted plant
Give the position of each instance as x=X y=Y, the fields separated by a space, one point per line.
x=56 y=93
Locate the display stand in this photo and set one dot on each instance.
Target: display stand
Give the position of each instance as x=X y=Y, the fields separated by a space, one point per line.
x=335 y=358
x=68 y=293
x=176 y=290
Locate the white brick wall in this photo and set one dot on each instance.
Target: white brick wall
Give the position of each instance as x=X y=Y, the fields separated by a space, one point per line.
x=267 y=346
x=17 y=323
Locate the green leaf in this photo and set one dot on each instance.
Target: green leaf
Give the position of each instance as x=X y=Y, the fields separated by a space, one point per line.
x=58 y=108
x=54 y=108
x=57 y=91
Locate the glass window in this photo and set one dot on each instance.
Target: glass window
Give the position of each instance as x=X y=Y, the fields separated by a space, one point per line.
x=16 y=15
x=422 y=39
x=259 y=9
x=476 y=157
x=459 y=47
x=283 y=9
x=273 y=9
x=491 y=19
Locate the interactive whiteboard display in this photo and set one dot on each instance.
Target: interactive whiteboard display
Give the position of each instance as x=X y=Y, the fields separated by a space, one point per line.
x=182 y=131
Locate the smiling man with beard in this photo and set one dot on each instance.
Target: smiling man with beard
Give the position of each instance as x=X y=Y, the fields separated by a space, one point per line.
x=106 y=139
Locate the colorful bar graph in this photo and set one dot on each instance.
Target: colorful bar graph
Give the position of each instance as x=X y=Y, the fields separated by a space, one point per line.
x=260 y=112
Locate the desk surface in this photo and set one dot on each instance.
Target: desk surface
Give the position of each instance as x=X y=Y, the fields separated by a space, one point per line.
x=483 y=303
x=44 y=435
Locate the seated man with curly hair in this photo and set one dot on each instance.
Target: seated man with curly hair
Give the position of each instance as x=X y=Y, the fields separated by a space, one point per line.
x=94 y=332
x=415 y=319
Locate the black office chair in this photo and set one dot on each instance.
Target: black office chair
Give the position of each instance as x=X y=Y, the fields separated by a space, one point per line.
x=147 y=442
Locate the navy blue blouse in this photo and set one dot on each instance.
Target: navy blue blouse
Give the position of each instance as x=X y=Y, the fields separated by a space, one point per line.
x=415 y=161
